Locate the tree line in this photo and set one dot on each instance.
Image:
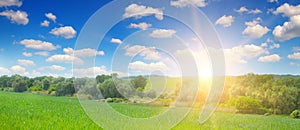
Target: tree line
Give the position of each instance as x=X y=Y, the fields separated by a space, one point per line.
x=253 y=93
x=249 y=93
x=110 y=86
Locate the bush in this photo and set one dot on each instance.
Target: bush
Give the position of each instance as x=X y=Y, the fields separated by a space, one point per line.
x=295 y=114
x=247 y=105
x=35 y=88
x=109 y=100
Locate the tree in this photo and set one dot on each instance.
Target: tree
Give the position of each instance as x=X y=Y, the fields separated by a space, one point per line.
x=19 y=86
x=109 y=90
x=46 y=84
x=245 y=104
x=139 y=82
x=65 y=88
x=102 y=78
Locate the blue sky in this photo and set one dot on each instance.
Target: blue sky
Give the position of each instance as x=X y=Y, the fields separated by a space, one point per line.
x=40 y=37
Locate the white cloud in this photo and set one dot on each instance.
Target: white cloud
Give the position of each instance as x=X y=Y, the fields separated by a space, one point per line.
x=269 y=58
x=93 y=71
x=27 y=54
x=51 y=16
x=87 y=52
x=115 y=40
x=162 y=33
x=239 y=54
x=296 y=49
x=19 y=17
x=42 y=53
x=288 y=30
x=26 y=62
x=18 y=70
x=288 y=10
x=38 y=45
x=254 y=29
x=89 y=72
x=275 y=46
x=6 y=3
x=66 y=32
x=149 y=53
x=140 y=66
x=184 y=3
x=142 y=25
x=65 y=59
x=294 y=64
x=4 y=70
x=45 y=23
x=295 y=56
x=264 y=44
x=243 y=9
x=256 y=11
x=138 y=11
x=53 y=67
x=271 y=1
x=225 y=21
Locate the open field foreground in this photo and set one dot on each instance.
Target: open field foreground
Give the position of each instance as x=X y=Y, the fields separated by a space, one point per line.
x=29 y=111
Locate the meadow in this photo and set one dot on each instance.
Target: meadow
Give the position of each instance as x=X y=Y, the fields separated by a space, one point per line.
x=31 y=111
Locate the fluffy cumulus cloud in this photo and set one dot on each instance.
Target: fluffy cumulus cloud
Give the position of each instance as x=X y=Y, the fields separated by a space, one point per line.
x=53 y=67
x=6 y=3
x=140 y=66
x=18 y=17
x=26 y=62
x=27 y=54
x=4 y=71
x=87 y=52
x=295 y=56
x=288 y=10
x=271 y=1
x=225 y=21
x=184 y=3
x=18 y=70
x=51 y=16
x=275 y=46
x=254 y=29
x=149 y=53
x=38 y=45
x=142 y=25
x=45 y=23
x=243 y=9
x=239 y=54
x=42 y=53
x=65 y=59
x=162 y=33
x=138 y=11
x=89 y=72
x=288 y=30
x=67 y=32
x=269 y=58
x=115 y=40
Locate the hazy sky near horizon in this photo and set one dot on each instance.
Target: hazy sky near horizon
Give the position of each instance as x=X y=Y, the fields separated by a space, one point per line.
x=39 y=37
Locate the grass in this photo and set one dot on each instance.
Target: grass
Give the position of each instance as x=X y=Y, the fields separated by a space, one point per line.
x=29 y=111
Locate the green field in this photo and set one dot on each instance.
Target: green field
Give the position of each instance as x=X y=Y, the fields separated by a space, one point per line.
x=29 y=111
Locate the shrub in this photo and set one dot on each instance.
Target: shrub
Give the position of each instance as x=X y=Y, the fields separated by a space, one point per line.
x=295 y=114
x=248 y=105
x=109 y=100
x=35 y=88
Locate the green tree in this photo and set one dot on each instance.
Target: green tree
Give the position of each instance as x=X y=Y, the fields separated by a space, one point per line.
x=19 y=86
x=46 y=84
x=139 y=82
x=246 y=104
